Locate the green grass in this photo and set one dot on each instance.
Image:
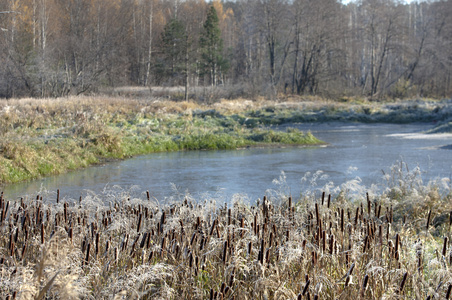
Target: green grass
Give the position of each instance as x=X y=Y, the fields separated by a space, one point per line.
x=40 y=138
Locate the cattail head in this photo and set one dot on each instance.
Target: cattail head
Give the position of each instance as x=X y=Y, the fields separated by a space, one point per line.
x=306 y=286
x=428 y=219
x=448 y=291
x=402 y=283
x=365 y=282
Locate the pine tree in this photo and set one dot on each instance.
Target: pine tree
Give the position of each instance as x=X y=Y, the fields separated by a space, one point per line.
x=174 y=46
x=211 y=46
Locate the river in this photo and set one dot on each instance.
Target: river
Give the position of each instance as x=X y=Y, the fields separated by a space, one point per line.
x=356 y=151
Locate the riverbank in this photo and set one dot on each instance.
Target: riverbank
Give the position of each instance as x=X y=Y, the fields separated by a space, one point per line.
x=40 y=137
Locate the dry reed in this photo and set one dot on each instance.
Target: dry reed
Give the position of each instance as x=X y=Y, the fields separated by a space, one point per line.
x=135 y=248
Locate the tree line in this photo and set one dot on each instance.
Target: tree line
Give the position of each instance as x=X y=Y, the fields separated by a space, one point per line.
x=371 y=48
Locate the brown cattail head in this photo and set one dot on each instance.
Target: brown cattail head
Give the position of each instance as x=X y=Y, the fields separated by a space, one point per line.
x=402 y=284
x=365 y=281
x=396 y=247
x=445 y=246
x=428 y=219
x=87 y=254
x=448 y=291
x=306 y=286
x=225 y=251
x=42 y=233
x=139 y=223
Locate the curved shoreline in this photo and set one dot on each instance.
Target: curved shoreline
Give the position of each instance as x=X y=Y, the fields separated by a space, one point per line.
x=52 y=136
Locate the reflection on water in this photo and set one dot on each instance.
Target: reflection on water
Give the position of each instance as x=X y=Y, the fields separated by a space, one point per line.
x=369 y=149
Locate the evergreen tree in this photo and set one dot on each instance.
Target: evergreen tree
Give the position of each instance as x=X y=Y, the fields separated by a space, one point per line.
x=174 y=46
x=211 y=46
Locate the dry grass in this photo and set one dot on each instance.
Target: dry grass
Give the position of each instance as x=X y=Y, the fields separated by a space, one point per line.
x=326 y=247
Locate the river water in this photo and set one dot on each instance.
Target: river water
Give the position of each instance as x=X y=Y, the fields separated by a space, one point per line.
x=356 y=151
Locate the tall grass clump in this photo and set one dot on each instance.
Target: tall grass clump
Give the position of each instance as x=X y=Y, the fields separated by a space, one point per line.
x=321 y=246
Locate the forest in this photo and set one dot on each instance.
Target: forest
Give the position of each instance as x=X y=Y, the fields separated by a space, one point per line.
x=370 y=48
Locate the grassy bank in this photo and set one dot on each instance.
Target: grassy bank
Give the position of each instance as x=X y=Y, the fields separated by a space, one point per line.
x=39 y=137
x=389 y=245
x=51 y=136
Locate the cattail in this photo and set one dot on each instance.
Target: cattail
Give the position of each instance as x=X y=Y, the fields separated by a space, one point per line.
x=306 y=286
x=368 y=204
x=226 y=290
x=347 y=280
x=87 y=254
x=445 y=246
x=217 y=231
x=162 y=221
x=365 y=281
x=323 y=198
x=317 y=217
x=351 y=269
x=402 y=284
x=428 y=219
x=262 y=251
x=42 y=233
x=97 y=243
x=225 y=248
x=148 y=196
x=139 y=223
x=331 y=244
x=163 y=244
x=365 y=243
x=314 y=257
x=58 y=196
x=342 y=220
x=214 y=223
x=24 y=249
x=448 y=291
x=396 y=250
x=329 y=200
x=190 y=260
x=11 y=249
x=143 y=241
x=450 y=219
x=255 y=224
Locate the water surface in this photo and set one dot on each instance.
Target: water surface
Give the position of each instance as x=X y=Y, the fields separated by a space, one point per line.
x=355 y=150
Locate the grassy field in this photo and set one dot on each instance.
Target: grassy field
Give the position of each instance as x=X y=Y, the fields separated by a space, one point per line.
x=51 y=136
x=389 y=245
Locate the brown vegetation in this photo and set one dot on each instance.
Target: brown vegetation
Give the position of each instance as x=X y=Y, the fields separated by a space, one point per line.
x=330 y=247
